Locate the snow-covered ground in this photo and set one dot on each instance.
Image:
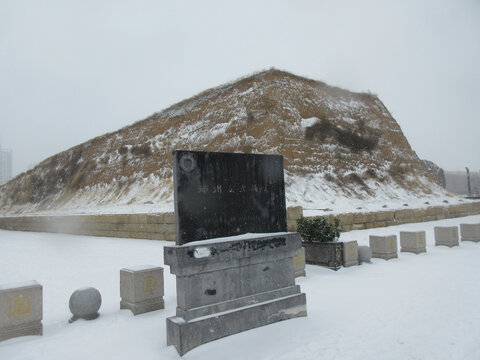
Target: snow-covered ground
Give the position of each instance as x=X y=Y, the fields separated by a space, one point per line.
x=423 y=306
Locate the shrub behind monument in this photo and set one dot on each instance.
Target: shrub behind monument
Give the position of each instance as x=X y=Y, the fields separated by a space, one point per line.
x=319 y=240
x=318 y=229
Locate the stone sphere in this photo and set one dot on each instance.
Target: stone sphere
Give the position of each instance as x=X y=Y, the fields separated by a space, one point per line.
x=364 y=254
x=85 y=303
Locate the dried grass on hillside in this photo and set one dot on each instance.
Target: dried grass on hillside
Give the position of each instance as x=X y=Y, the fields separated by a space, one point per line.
x=353 y=141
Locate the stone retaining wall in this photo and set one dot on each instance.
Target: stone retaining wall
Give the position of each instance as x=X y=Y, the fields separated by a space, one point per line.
x=360 y=221
x=162 y=226
x=138 y=226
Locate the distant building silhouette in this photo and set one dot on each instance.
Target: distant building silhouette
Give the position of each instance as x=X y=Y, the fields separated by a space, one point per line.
x=457 y=182
x=5 y=165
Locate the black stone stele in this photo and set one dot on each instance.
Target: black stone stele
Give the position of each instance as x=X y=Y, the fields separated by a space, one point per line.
x=226 y=194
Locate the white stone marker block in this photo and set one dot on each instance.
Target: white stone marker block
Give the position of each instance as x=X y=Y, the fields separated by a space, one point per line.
x=413 y=241
x=470 y=232
x=21 y=310
x=350 y=253
x=446 y=235
x=384 y=247
x=299 y=263
x=141 y=289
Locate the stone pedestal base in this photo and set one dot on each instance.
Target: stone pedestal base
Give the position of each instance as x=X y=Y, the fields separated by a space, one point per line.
x=446 y=236
x=33 y=328
x=387 y=256
x=229 y=285
x=470 y=232
x=143 y=306
x=384 y=247
x=413 y=242
x=186 y=335
x=413 y=250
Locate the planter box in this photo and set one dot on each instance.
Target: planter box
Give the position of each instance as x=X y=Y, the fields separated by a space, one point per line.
x=350 y=253
x=384 y=247
x=470 y=232
x=299 y=263
x=327 y=254
x=446 y=235
x=413 y=241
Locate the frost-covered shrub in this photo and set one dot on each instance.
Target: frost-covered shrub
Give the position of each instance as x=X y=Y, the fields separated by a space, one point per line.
x=142 y=150
x=352 y=139
x=356 y=142
x=329 y=177
x=318 y=229
x=123 y=150
x=320 y=130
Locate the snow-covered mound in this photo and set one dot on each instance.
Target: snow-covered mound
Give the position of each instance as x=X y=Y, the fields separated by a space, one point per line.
x=338 y=147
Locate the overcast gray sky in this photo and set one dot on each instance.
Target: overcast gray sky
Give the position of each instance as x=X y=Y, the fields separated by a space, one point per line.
x=73 y=70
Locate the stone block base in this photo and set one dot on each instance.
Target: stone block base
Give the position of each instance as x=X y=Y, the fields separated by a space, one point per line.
x=467 y=239
x=413 y=250
x=446 y=236
x=445 y=244
x=384 y=247
x=470 y=232
x=186 y=335
x=413 y=242
x=141 y=288
x=233 y=284
x=385 y=256
x=143 y=306
x=33 y=328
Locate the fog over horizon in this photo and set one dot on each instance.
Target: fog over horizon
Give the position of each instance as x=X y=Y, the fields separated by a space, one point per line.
x=71 y=71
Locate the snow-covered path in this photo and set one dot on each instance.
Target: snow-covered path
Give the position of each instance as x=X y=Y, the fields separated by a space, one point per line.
x=423 y=306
